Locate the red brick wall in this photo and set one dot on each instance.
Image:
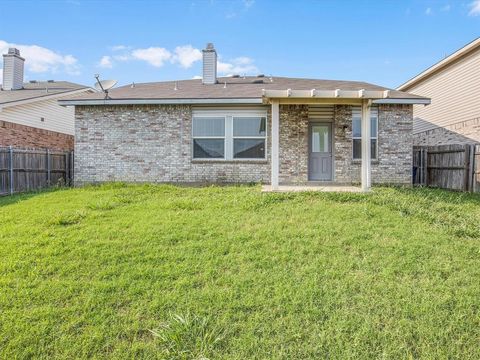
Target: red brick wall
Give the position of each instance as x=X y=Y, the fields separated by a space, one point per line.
x=30 y=137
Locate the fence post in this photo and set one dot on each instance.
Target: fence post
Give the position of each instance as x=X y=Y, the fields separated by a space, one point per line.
x=48 y=167
x=466 y=163
x=471 y=168
x=426 y=167
x=72 y=168
x=10 y=150
x=67 y=175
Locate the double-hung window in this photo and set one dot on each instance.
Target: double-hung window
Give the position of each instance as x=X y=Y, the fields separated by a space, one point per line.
x=232 y=135
x=357 y=132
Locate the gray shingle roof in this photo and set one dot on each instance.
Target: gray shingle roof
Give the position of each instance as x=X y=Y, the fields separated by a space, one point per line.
x=232 y=88
x=37 y=90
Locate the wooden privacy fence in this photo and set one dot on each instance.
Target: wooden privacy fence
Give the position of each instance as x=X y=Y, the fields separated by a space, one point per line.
x=455 y=167
x=28 y=169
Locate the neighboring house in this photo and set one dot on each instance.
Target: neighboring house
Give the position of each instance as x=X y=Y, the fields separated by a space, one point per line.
x=245 y=129
x=29 y=112
x=453 y=84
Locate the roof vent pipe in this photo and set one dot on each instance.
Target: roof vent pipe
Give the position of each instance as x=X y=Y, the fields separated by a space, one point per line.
x=12 y=70
x=209 y=65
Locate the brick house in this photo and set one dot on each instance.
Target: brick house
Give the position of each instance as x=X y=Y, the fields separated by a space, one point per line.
x=452 y=83
x=30 y=116
x=273 y=130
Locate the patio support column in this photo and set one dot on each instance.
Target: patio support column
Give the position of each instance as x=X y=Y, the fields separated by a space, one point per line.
x=366 y=147
x=275 y=163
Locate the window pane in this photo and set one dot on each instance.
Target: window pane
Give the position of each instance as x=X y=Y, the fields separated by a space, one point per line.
x=373 y=127
x=373 y=144
x=356 y=127
x=249 y=126
x=249 y=148
x=320 y=138
x=208 y=148
x=214 y=126
x=357 y=148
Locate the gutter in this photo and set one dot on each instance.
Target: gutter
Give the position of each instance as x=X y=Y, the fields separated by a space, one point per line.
x=160 y=101
x=233 y=101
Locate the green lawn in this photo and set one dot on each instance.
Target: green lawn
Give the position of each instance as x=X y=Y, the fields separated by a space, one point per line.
x=231 y=273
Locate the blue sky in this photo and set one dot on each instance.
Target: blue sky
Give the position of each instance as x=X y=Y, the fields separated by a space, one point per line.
x=383 y=42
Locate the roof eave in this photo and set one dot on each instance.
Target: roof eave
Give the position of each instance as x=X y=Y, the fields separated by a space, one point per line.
x=212 y=101
x=464 y=51
x=45 y=96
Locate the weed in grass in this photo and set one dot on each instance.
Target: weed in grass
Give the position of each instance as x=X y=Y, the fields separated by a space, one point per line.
x=189 y=336
x=103 y=205
x=68 y=218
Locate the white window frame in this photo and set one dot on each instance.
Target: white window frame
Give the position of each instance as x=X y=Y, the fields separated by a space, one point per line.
x=357 y=115
x=228 y=115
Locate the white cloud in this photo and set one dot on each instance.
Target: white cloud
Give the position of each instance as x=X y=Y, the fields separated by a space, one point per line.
x=248 y=3
x=119 y=47
x=197 y=77
x=240 y=65
x=41 y=60
x=155 y=56
x=446 y=8
x=186 y=56
x=106 y=62
x=428 y=11
x=474 y=8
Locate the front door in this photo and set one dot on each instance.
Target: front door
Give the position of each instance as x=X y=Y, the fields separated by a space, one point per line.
x=320 y=152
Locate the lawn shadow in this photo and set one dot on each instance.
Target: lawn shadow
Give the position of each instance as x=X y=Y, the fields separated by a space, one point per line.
x=6 y=200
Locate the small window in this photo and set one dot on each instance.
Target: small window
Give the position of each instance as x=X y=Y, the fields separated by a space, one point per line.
x=357 y=136
x=209 y=137
x=42 y=119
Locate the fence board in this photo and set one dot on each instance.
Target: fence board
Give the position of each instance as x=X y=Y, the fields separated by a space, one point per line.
x=447 y=166
x=32 y=169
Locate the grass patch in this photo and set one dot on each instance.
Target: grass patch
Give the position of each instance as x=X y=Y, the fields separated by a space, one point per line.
x=189 y=337
x=158 y=271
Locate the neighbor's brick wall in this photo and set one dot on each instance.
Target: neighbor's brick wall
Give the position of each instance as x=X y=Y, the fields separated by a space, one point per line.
x=152 y=143
x=466 y=132
x=395 y=139
x=22 y=136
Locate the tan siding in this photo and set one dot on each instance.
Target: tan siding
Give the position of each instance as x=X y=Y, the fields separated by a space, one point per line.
x=57 y=118
x=454 y=92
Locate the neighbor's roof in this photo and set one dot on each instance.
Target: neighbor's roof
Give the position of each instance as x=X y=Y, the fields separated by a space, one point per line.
x=38 y=89
x=448 y=61
x=248 y=89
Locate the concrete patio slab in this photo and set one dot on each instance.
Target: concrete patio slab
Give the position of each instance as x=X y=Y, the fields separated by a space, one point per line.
x=324 y=188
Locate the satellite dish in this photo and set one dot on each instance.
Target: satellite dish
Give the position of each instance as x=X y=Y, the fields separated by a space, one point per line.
x=104 y=85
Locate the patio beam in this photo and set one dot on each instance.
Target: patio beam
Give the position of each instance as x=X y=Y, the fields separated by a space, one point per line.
x=366 y=147
x=275 y=163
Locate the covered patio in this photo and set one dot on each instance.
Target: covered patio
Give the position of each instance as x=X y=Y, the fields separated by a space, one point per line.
x=362 y=98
